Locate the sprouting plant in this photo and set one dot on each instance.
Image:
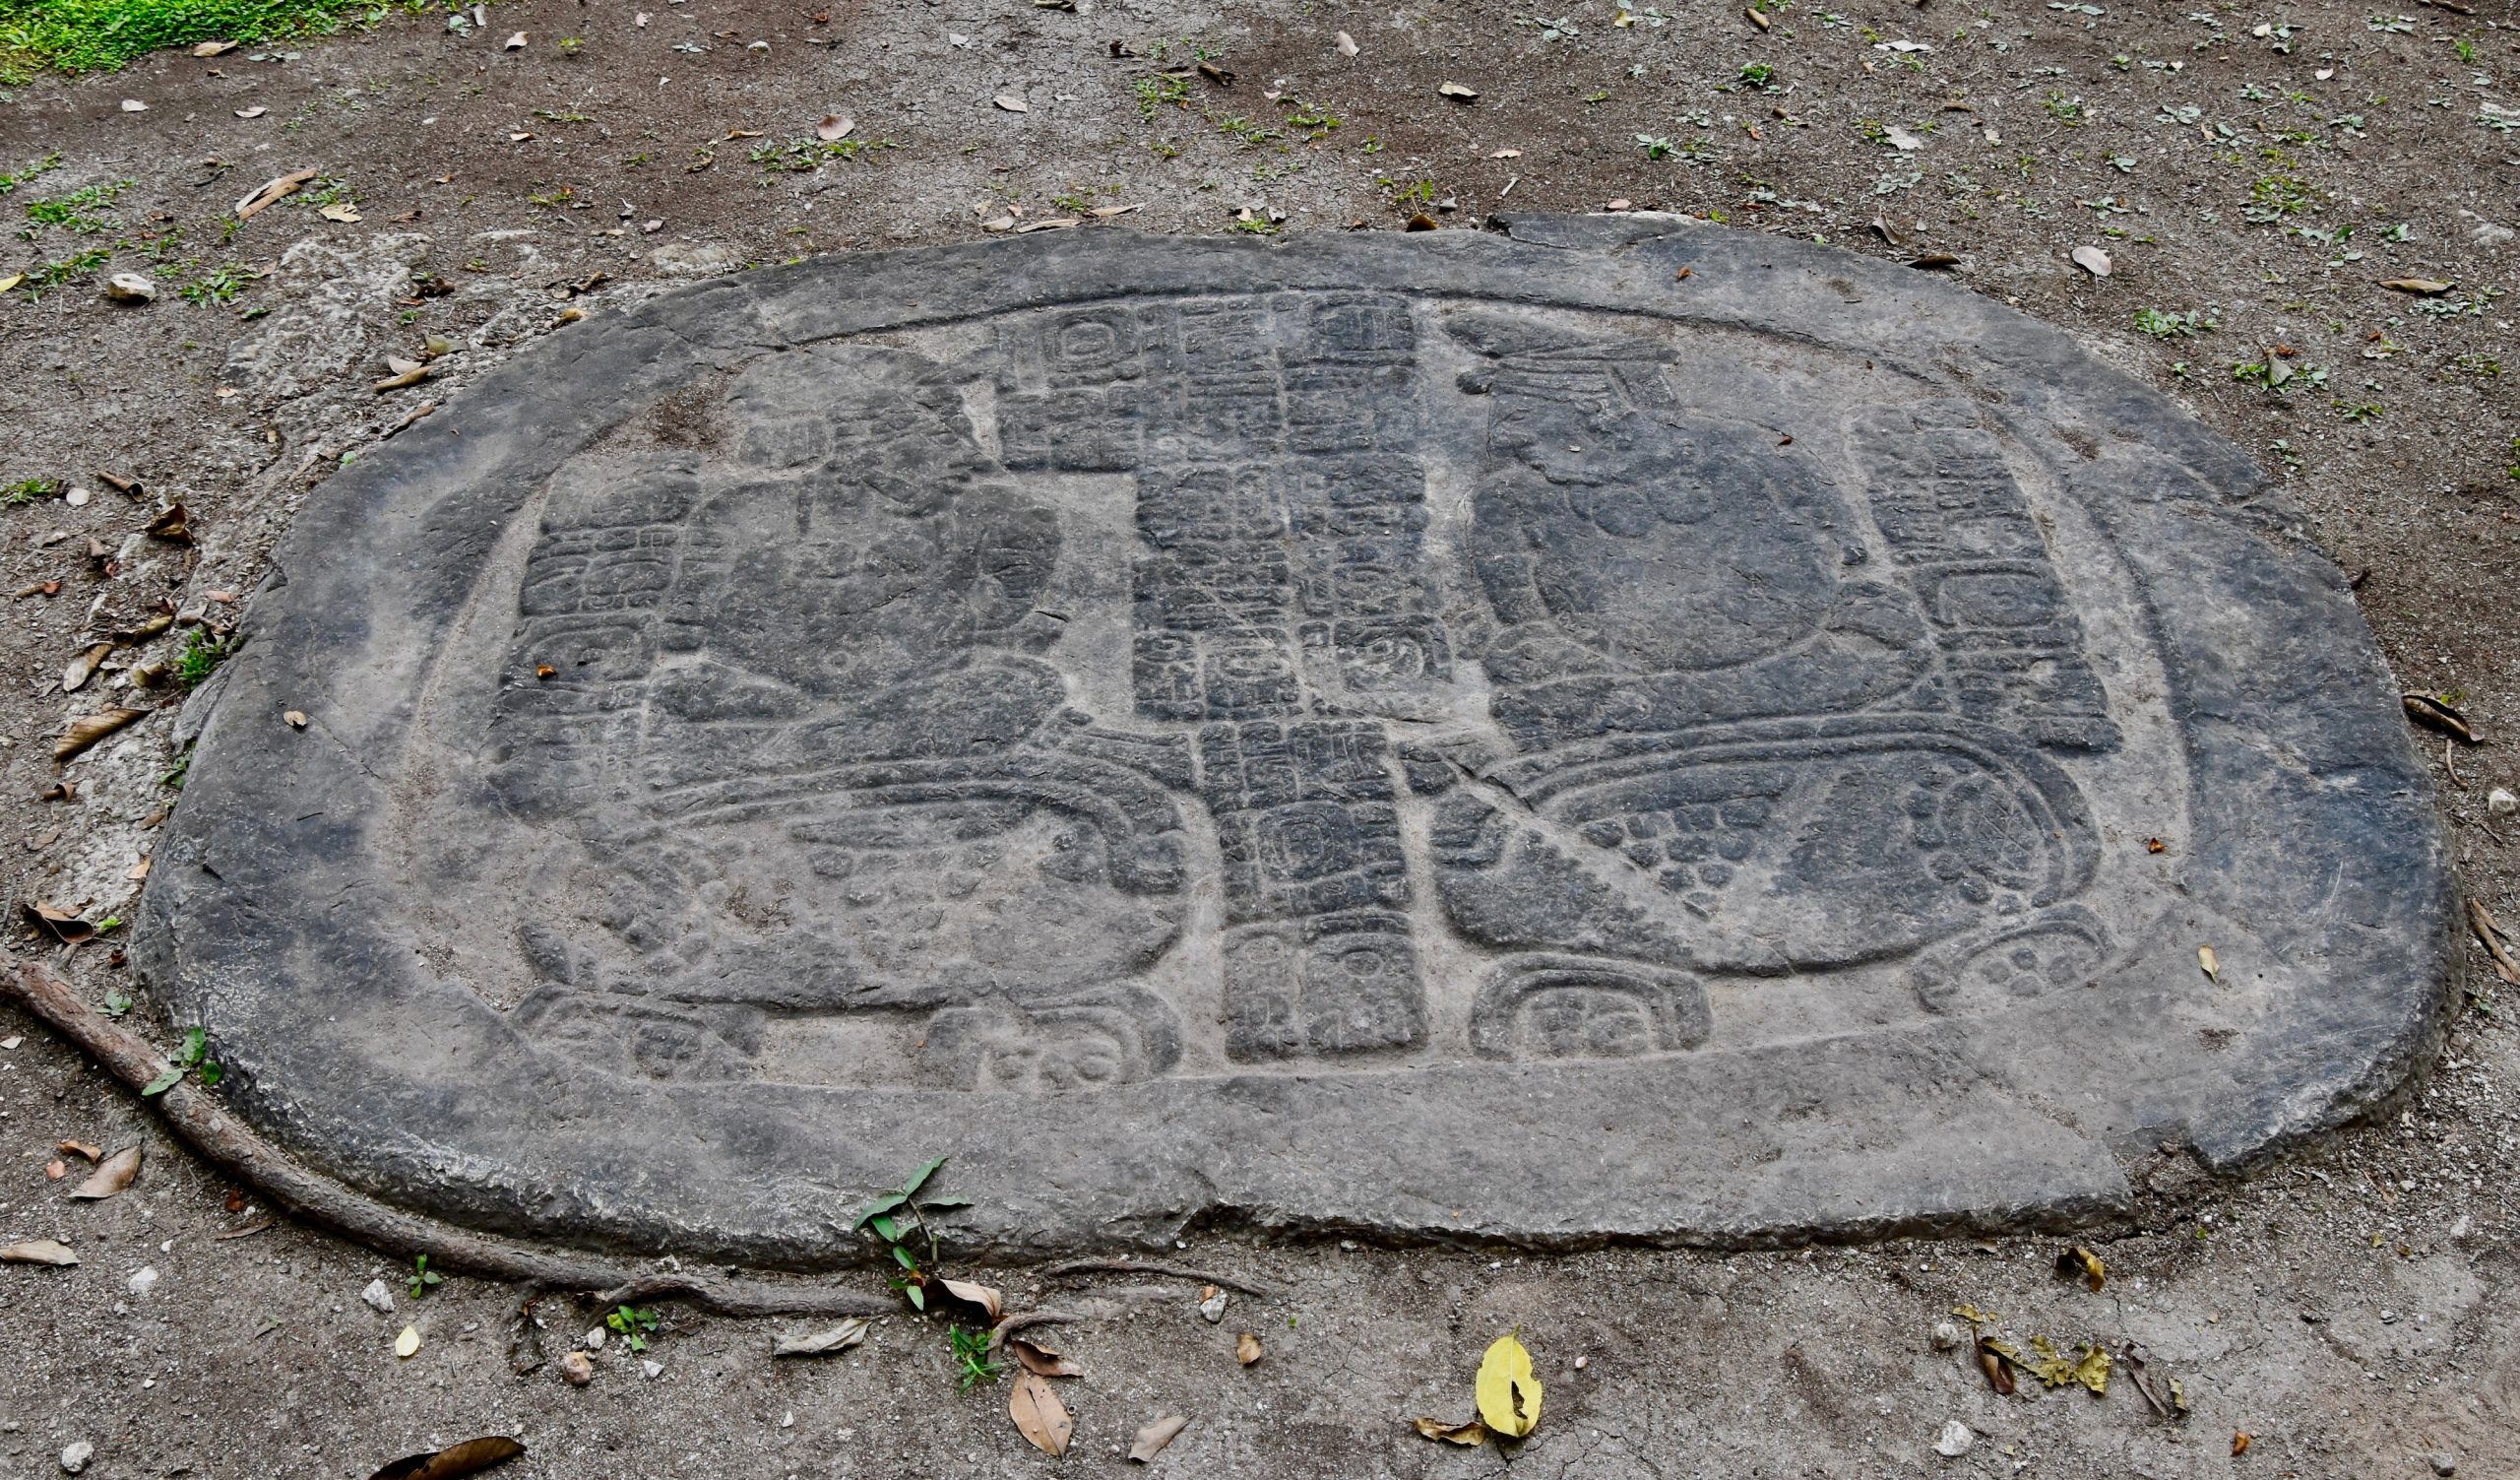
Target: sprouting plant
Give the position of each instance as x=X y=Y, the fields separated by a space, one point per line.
x=218 y=286
x=422 y=1278
x=633 y=1324
x=26 y=490
x=193 y=1056
x=116 y=1003
x=2188 y=325
x=85 y=211
x=1163 y=89
x=1758 y=74
x=972 y=1356
x=204 y=651
x=893 y=1215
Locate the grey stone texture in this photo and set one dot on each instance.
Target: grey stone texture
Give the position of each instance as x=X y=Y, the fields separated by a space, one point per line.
x=1458 y=735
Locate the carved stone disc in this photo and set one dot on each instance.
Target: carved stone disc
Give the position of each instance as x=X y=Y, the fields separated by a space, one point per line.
x=1464 y=736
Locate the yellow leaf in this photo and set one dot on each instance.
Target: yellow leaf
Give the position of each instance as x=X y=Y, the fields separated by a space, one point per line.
x=408 y=1342
x=1470 y=1434
x=2213 y=967
x=1508 y=1393
x=12 y=280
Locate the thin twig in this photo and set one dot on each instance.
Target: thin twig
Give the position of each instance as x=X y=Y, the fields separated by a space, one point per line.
x=226 y=1142
x=1071 y=1269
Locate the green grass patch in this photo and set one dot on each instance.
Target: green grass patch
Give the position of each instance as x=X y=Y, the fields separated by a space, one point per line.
x=100 y=35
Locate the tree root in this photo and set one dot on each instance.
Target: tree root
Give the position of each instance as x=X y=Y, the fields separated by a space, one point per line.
x=1071 y=1269
x=226 y=1142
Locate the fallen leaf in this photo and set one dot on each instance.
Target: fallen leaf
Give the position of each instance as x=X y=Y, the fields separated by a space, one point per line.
x=1013 y=105
x=134 y=105
x=823 y=1343
x=401 y=378
x=1421 y=222
x=2422 y=286
x=2091 y=1368
x=1757 y=19
x=834 y=127
x=1469 y=1435
x=81 y=1148
x=88 y=729
x=38 y=1252
x=1508 y=1393
x=1456 y=89
x=256 y=112
x=213 y=48
x=111 y=1176
x=1154 y=1437
x=1901 y=140
x=1934 y=259
x=2432 y=714
x=1345 y=45
x=1216 y=74
x=1036 y=1355
x=294 y=719
x=1038 y=1414
x=1106 y=212
x=408 y=1342
x=2081 y=1261
x=272 y=190
x=340 y=211
x=137 y=872
x=84 y=666
x=472 y=1456
x=2239 y=1442
x=1996 y=1360
x=1246 y=1349
x=1506 y=154
x=12 y=280
x=515 y=42
x=2212 y=964
x=2092 y=260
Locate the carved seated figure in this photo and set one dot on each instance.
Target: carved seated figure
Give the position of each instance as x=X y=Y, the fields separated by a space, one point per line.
x=836 y=787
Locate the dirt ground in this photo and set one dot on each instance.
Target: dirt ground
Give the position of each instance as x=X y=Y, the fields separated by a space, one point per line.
x=2354 y=1310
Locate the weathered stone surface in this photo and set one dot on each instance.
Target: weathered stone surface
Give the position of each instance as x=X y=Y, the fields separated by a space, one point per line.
x=1451 y=735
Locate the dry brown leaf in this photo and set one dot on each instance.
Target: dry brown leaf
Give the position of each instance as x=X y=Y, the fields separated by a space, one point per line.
x=84 y=666
x=834 y=127
x=515 y=42
x=982 y=1296
x=112 y=1175
x=1036 y=1355
x=138 y=872
x=340 y=211
x=1468 y=1434
x=88 y=729
x=1038 y=1414
x=2211 y=964
x=1154 y=1437
x=1994 y=1359
x=2432 y=714
x=2239 y=1442
x=213 y=48
x=2421 y=287
x=472 y=1456
x=401 y=378
x=174 y=523
x=256 y=112
x=1246 y=1348
x=1012 y=103
x=271 y=189
x=1758 y=17
x=82 y=1148
x=38 y=1252
x=1456 y=89
x=823 y=1343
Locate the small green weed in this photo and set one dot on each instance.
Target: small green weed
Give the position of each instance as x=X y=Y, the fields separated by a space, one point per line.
x=26 y=490
x=2188 y=325
x=218 y=286
x=100 y=35
x=633 y=1324
x=1758 y=75
x=204 y=651
x=970 y=1355
x=85 y=211
x=193 y=1057
x=422 y=1278
x=10 y=182
x=1163 y=89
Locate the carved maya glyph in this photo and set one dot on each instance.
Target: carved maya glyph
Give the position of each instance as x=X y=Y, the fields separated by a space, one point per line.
x=1473 y=736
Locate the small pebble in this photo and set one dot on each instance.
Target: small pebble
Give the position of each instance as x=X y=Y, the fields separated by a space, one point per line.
x=1212 y=1304
x=74 y=1458
x=577 y=1369
x=130 y=288
x=652 y=1369
x=378 y=1298
x=594 y=1339
x=1955 y=1441
x=1947 y=1334
x=2445 y=1464
x=2501 y=802
x=143 y=1280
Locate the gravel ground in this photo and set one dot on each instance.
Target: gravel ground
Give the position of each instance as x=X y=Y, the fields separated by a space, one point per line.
x=2260 y=171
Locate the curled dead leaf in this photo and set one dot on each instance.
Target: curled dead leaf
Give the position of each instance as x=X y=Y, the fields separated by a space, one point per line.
x=271 y=189
x=1154 y=1437
x=823 y=1343
x=2419 y=286
x=1036 y=1355
x=1012 y=103
x=1038 y=1414
x=2080 y=1262
x=84 y=666
x=256 y=112
x=1246 y=1349
x=1468 y=1434
x=2489 y=930
x=1757 y=17
x=340 y=211
x=173 y=524
x=213 y=48
x=469 y=1458
x=2239 y=1442
x=983 y=1296
x=2211 y=964
x=834 y=127
x=1344 y=43
x=93 y=1153
x=38 y=1252
x=62 y=924
x=1455 y=90
x=2432 y=714
x=408 y=1342
x=1994 y=1359
x=114 y=1174
x=515 y=42
x=88 y=729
